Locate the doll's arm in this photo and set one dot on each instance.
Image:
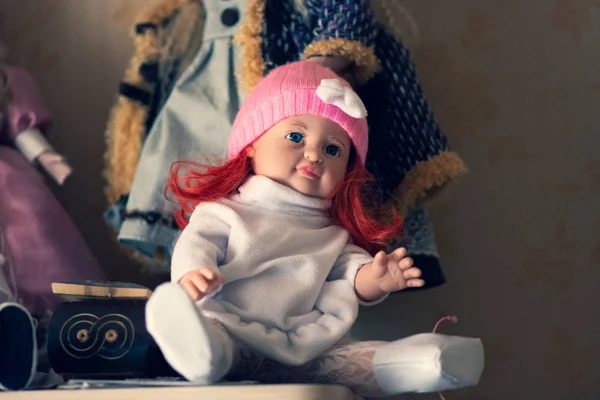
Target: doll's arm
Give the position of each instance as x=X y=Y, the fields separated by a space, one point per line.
x=348 y=265
x=27 y=118
x=344 y=34
x=203 y=242
x=386 y=274
x=55 y=165
x=34 y=146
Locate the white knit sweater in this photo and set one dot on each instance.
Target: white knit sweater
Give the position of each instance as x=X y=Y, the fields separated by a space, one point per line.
x=289 y=272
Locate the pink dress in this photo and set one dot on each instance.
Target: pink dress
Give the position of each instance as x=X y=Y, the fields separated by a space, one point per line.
x=41 y=243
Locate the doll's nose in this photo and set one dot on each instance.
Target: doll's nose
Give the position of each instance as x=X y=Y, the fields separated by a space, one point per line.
x=313 y=156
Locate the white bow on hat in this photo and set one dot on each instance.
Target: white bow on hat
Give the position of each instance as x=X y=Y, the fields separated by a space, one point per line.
x=331 y=91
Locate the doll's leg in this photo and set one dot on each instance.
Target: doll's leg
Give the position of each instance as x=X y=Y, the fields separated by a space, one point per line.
x=347 y=363
x=195 y=346
x=426 y=362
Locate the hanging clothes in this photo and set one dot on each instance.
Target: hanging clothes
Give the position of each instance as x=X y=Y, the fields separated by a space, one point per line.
x=408 y=153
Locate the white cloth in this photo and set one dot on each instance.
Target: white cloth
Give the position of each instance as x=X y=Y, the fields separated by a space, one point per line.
x=196 y=347
x=288 y=271
x=429 y=362
x=331 y=91
x=32 y=143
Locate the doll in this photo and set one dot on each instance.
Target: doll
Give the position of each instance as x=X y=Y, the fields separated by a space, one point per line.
x=196 y=117
x=39 y=244
x=277 y=247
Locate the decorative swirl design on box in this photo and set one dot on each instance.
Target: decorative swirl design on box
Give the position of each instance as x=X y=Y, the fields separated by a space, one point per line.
x=85 y=335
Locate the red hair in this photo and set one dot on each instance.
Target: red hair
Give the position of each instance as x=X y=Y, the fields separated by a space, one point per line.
x=352 y=204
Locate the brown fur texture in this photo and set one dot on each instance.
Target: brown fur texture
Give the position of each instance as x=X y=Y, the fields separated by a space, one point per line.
x=427 y=179
x=248 y=37
x=365 y=62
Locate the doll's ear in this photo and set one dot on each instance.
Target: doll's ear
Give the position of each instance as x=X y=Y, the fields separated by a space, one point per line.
x=250 y=151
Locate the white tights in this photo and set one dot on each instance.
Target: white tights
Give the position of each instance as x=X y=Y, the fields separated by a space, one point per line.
x=347 y=363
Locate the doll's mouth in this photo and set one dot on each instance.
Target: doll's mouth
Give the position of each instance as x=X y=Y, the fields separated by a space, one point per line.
x=309 y=172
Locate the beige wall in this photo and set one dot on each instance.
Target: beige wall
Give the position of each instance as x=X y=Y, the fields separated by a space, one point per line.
x=516 y=86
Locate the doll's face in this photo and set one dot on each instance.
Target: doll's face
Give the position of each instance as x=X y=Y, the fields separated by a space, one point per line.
x=307 y=153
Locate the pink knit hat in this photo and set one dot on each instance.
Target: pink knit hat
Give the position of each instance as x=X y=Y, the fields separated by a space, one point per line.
x=300 y=88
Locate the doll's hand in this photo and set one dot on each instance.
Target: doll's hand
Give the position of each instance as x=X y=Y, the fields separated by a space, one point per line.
x=395 y=271
x=55 y=165
x=200 y=283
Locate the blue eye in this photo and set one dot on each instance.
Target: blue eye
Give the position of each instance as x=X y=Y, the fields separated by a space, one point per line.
x=332 y=150
x=295 y=137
